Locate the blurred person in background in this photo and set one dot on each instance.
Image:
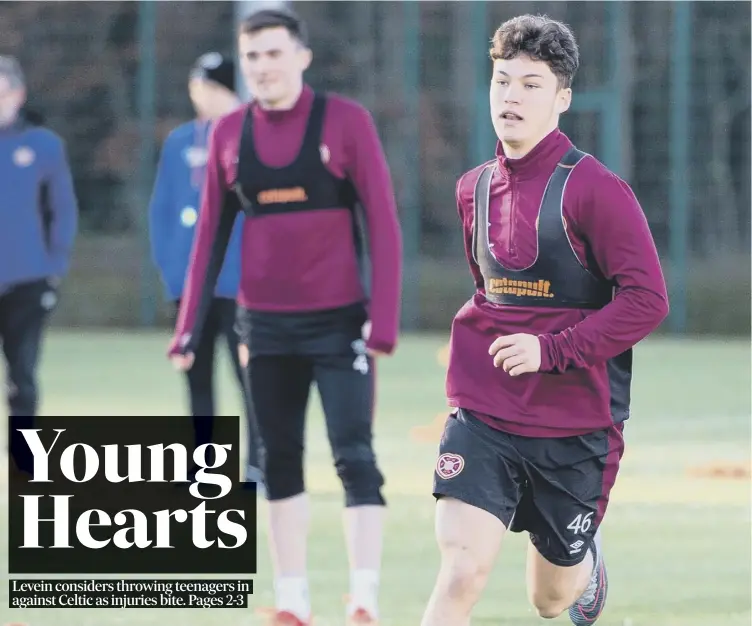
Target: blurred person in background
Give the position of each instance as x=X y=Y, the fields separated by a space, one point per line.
x=38 y=225
x=568 y=281
x=300 y=162
x=173 y=213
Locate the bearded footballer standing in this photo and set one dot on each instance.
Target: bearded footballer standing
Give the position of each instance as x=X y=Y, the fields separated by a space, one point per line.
x=567 y=280
x=300 y=164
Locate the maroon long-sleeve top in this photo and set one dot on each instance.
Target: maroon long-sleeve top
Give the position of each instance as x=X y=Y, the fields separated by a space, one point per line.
x=305 y=260
x=572 y=391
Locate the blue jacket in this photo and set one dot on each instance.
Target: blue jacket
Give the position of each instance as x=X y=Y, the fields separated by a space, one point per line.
x=174 y=207
x=38 y=207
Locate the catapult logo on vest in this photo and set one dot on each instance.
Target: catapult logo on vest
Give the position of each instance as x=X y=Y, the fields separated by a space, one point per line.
x=128 y=495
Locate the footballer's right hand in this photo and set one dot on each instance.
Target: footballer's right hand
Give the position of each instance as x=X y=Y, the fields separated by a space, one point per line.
x=182 y=362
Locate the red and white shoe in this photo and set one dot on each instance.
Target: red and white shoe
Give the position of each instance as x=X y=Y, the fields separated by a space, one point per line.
x=283 y=618
x=361 y=617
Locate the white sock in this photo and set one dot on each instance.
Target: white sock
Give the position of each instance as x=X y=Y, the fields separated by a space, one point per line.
x=364 y=591
x=292 y=595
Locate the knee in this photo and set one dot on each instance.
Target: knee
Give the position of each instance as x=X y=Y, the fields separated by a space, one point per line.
x=463 y=576
x=549 y=603
x=360 y=476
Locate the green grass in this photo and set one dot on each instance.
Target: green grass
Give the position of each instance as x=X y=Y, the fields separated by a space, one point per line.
x=678 y=547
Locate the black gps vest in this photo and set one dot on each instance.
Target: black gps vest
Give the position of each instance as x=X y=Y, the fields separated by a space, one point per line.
x=556 y=278
x=303 y=185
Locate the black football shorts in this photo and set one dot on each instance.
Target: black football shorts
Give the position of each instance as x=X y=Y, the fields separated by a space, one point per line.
x=557 y=489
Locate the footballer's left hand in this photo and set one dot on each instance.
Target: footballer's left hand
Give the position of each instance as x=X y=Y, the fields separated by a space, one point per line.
x=517 y=354
x=365 y=333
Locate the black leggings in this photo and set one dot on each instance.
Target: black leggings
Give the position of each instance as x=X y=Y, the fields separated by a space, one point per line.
x=23 y=315
x=281 y=385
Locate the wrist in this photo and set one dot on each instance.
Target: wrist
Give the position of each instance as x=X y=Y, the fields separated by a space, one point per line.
x=546 y=352
x=377 y=345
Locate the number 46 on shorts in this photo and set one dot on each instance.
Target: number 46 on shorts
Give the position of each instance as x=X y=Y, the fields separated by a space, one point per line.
x=581 y=523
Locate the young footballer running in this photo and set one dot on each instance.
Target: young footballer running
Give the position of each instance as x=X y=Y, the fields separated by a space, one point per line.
x=567 y=282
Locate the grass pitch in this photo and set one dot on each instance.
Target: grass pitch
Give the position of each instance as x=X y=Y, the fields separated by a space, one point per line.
x=676 y=535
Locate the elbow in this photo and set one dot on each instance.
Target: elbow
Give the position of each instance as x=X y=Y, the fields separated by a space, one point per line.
x=389 y=240
x=68 y=237
x=66 y=217
x=661 y=305
x=664 y=308
x=659 y=310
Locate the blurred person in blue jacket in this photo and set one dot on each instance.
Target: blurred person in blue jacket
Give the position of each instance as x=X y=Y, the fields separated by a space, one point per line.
x=173 y=213
x=38 y=225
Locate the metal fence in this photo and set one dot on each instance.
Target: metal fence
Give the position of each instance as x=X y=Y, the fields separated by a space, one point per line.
x=662 y=97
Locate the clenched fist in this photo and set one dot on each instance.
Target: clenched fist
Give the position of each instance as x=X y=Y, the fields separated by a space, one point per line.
x=517 y=354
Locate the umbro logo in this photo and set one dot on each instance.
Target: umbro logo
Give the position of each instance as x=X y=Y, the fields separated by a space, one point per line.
x=576 y=546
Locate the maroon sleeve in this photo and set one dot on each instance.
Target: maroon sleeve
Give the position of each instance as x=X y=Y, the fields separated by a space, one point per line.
x=369 y=172
x=614 y=226
x=213 y=228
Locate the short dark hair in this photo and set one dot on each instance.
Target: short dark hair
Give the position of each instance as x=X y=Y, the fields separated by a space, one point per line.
x=276 y=18
x=542 y=39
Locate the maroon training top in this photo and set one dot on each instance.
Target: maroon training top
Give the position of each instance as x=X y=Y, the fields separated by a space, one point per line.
x=304 y=261
x=571 y=393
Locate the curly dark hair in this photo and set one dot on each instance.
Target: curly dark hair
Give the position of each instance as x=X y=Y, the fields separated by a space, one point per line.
x=542 y=39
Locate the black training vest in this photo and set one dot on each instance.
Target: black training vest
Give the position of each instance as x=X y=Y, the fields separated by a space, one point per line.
x=303 y=185
x=556 y=278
